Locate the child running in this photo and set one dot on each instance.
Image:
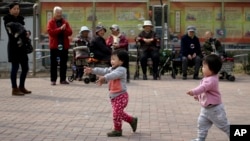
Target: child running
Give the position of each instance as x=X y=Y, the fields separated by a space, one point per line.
x=116 y=76
x=207 y=93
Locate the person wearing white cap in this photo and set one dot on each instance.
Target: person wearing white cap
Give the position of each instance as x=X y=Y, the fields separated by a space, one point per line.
x=149 y=49
x=98 y=45
x=118 y=41
x=190 y=52
x=82 y=40
x=83 y=37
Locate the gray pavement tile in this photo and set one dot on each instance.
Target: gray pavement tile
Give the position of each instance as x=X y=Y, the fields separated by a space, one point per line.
x=82 y=112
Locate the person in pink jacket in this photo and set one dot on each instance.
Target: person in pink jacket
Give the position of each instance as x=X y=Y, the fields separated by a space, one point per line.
x=209 y=96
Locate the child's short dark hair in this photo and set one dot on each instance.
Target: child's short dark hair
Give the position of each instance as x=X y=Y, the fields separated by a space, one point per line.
x=214 y=63
x=123 y=56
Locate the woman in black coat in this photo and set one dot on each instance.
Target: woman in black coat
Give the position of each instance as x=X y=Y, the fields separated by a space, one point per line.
x=16 y=54
x=98 y=45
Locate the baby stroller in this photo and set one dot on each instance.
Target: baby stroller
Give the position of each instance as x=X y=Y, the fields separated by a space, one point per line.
x=80 y=59
x=227 y=69
x=170 y=61
x=92 y=62
x=166 y=63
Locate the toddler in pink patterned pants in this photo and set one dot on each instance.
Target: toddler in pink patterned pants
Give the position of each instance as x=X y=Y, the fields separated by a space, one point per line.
x=116 y=76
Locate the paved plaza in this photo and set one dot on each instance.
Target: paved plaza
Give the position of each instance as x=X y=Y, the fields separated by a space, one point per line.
x=82 y=112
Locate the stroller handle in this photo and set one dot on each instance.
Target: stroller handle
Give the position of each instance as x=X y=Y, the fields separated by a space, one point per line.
x=80 y=47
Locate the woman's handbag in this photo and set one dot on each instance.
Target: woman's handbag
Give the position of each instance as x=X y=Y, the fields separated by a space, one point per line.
x=28 y=47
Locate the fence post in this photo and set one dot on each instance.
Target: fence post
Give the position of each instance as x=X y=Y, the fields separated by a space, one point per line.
x=34 y=38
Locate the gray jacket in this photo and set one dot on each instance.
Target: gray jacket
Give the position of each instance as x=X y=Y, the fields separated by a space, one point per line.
x=116 y=78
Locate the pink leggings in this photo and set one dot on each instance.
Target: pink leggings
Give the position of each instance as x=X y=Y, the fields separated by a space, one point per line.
x=119 y=104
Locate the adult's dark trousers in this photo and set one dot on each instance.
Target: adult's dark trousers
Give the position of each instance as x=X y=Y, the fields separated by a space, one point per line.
x=63 y=56
x=187 y=62
x=128 y=72
x=154 y=55
x=13 y=75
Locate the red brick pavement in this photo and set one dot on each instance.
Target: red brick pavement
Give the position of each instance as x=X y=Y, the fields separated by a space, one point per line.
x=82 y=112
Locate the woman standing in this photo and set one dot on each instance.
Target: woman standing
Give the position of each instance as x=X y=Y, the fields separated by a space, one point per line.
x=16 y=55
x=59 y=32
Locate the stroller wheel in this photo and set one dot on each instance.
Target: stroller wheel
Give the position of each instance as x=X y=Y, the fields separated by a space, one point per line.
x=231 y=78
x=222 y=75
x=92 y=78
x=86 y=80
x=71 y=78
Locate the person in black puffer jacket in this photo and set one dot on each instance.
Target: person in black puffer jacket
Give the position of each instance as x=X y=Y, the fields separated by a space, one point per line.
x=190 y=52
x=16 y=54
x=98 y=45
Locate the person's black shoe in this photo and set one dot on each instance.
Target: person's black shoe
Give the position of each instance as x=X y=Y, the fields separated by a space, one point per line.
x=145 y=77
x=114 y=133
x=133 y=124
x=64 y=82
x=155 y=76
x=196 y=78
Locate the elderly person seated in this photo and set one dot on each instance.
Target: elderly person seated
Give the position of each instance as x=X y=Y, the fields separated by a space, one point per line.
x=149 y=49
x=190 y=52
x=98 y=45
x=118 y=41
x=81 y=53
x=212 y=45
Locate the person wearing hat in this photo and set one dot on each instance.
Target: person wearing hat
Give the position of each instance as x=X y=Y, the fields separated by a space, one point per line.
x=17 y=56
x=190 y=52
x=59 y=32
x=149 y=49
x=81 y=40
x=98 y=45
x=118 y=41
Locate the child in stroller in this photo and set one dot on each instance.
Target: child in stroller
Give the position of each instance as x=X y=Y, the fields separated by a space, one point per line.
x=80 y=54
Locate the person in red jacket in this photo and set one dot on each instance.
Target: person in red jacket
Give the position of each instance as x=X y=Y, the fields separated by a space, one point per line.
x=59 y=31
x=118 y=41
